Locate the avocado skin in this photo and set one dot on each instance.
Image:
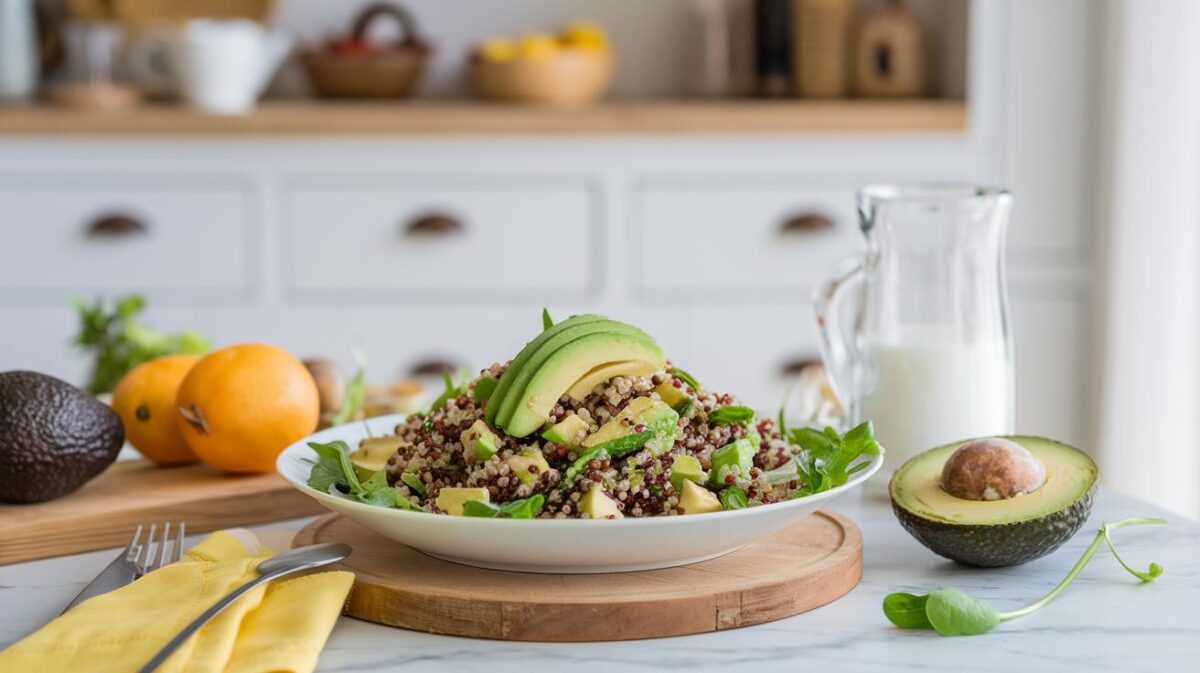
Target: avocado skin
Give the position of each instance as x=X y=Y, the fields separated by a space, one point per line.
x=53 y=437
x=999 y=545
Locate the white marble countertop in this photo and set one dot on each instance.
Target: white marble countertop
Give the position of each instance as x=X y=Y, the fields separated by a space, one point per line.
x=1105 y=621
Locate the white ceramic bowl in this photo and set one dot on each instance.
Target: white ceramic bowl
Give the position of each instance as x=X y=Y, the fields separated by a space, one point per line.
x=555 y=545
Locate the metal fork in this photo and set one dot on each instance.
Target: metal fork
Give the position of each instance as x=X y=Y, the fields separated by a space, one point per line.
x=139 y=558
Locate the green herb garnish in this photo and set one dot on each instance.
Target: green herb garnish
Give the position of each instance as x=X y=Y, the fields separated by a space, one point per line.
x=730 y=415
x=547 y=321
x=952 y=612
x=686 y=378
x=572 y=473
x=526 y=508
x=413 y=481
x=448 y=394
x=734 y=498
x=119 y=343
x=827 y=460
x=355 y=393
x=333 y=468
x=484 y=388
x=684 y=406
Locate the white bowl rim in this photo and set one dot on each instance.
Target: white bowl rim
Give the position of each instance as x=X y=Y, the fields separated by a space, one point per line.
x=401 y=514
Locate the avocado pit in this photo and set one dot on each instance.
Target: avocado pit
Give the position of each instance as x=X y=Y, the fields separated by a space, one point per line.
x=992 y=469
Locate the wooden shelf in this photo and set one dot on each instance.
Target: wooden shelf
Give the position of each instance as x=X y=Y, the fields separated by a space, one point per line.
x=472 y=118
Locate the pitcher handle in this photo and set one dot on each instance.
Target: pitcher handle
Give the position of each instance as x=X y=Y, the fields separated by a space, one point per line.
x=838 y=349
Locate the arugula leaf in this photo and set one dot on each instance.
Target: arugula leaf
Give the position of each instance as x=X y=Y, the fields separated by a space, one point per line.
x=327 y=469
x=484 y=389
x=907 y=610
x=547 y=322
x=733 y=498
x=730 y=415
x=412 y=481
x=450 y=393
x=827 y=460
x=685 y=377
x=952 y=612
x=377 y=491
x=526 y=508
x=353 y=399
x=684 y=406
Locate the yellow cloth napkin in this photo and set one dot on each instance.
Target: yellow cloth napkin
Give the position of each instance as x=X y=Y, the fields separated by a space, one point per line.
x=281 y=627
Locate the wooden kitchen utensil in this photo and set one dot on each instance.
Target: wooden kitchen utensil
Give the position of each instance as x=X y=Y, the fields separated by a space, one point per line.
x=890 y=53
x=795 y=570
x=102 y=513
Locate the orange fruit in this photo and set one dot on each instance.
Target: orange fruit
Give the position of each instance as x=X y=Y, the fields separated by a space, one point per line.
x=241 y=406
x=145 y=401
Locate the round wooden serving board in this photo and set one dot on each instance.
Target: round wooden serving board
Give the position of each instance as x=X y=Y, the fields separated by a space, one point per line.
x=797 y=569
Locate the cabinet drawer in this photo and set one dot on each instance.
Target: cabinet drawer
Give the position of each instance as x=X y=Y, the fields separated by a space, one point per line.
x=450 y=242
x=83 y=235
x=765 y=240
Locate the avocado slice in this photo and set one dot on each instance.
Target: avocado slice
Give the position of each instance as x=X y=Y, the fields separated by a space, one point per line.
x=669 y=394
x=735 y=458
x=518 y=363
x=686 y=467
x=53 y=437
x=451 y=500
x=599 y=506
x=506 y=398
x=565 y=366
x=374 y=452
x=522 y=463
x=655 y=416
x=569 y=432
x=584 y=386
x=695 y=499
x=998 y=532
x=479 y=442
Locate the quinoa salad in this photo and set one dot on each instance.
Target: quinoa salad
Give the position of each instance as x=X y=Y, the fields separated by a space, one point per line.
x=589 y=421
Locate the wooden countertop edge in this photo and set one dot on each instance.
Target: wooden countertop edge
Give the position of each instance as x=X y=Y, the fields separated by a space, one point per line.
x=319 y=118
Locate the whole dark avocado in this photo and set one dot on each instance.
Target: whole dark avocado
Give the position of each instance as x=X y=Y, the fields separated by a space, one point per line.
x=53 y=437
x=996 y=501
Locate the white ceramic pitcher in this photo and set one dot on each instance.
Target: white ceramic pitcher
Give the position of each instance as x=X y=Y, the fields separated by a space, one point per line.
x=218 y=67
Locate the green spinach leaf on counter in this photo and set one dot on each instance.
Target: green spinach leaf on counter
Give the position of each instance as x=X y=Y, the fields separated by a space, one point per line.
x=953 y=612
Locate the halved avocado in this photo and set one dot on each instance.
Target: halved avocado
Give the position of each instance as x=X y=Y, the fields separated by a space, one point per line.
x=518 y=363
x=583 y=387
x=565 y=366
x=1001 y=532
x=510 y=391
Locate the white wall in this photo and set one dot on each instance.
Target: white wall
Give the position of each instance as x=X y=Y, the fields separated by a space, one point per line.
x=1149 y=398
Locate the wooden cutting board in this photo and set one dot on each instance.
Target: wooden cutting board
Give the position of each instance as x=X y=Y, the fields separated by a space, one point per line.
x=105 y=512
x=797 y=569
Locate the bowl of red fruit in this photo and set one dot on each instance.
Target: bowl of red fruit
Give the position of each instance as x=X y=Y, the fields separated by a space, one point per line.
x=356 y=67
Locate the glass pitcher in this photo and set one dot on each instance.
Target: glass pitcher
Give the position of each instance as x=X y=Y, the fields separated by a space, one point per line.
x=915 y=333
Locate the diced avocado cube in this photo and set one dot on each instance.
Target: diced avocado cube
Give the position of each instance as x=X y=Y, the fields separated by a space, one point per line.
x=686 y=467
x=373 y=452
x=528 y=465
x=413 y=481
x=669 y=394
x=736 y=458
x=451 y=500
x=569 y=432
x=654 y=416
x=695 y=499
x=599 y=506
x=479 y=442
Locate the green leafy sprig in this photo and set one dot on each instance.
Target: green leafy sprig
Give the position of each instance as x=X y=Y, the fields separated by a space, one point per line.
x=333 y=468
x=730 y=415
x=356 y=391
x=525 y=508
x=686 y=378
x=547 y=321
x=952 y=612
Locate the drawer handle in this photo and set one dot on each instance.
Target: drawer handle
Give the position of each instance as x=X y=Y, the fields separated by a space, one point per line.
x=805 y=223
x=793 y=367
x=434 y=225
x=434 y=367
x=116 y=224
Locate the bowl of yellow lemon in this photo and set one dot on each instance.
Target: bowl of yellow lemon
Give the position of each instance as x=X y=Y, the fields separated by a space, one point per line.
x=573 y=67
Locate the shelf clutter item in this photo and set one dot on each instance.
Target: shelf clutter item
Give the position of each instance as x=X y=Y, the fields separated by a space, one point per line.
x=353 y=67
x=821 y=47
x=19 y=54
x=772 y=48
x=570 y=69
x=93 y=48
x=890 y=53
x=142 y=16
